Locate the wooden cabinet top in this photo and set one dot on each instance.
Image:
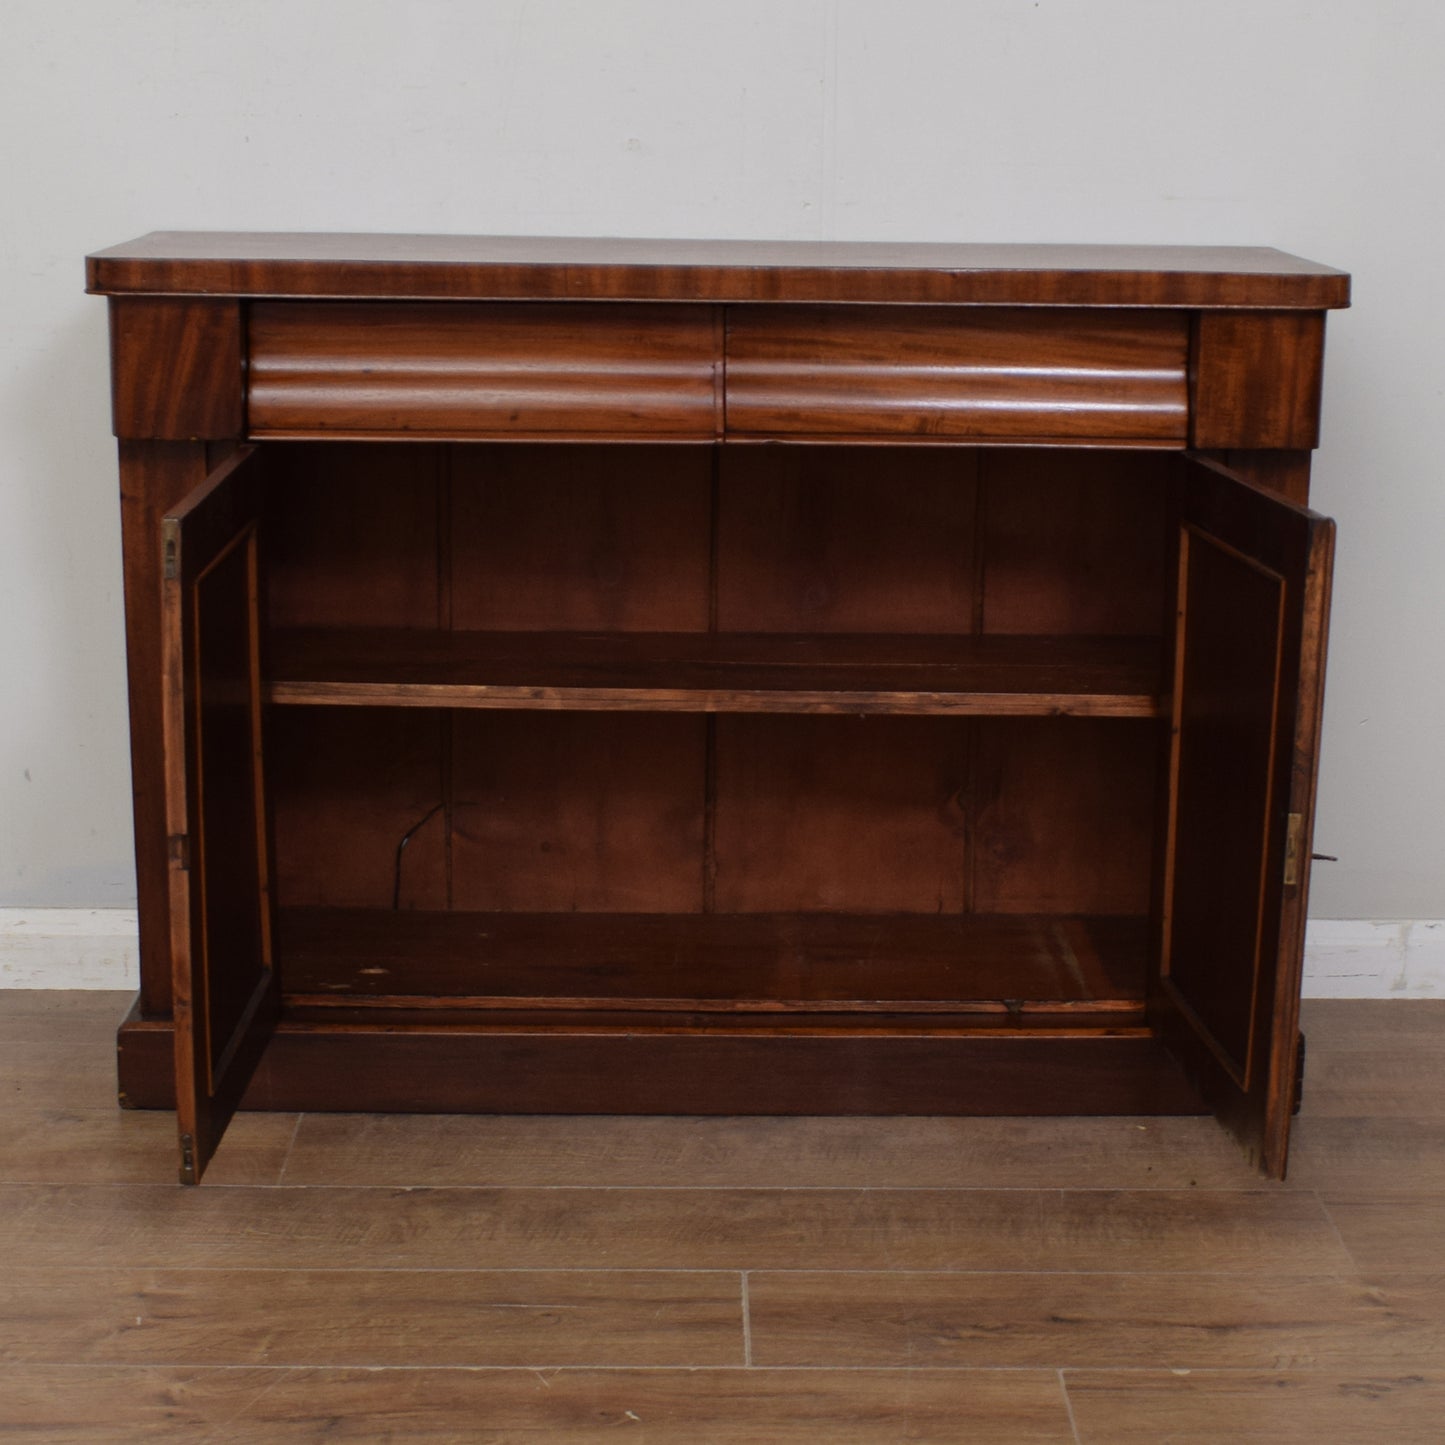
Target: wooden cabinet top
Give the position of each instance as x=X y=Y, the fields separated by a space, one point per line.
x=521 y=268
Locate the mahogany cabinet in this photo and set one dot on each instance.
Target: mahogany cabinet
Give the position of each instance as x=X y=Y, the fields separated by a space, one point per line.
x=677 y=677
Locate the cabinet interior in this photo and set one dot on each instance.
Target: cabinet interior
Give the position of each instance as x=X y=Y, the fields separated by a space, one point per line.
x=663 y=734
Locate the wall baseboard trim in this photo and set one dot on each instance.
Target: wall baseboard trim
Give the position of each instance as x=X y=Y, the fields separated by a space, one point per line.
x=1355 y=958
x=96 y=948
x=69 y=948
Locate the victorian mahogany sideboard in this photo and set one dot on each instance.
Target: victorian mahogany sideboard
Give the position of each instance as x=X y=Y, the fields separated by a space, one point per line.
x=680 y=677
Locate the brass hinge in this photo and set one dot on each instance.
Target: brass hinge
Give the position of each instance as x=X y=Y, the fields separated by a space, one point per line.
x=170 y=551
x=188 y=1159
x=1293 y=838
x=180 y=850
x=1299 y=1074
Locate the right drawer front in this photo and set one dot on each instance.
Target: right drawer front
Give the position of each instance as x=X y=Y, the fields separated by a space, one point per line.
x=1003 y=374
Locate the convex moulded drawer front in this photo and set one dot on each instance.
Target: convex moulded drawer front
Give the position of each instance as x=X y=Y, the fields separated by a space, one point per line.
x=480 y=369
x=988 y=373
x=460 y=369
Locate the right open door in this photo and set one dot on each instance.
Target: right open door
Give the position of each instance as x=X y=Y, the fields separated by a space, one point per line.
x=1253 y=606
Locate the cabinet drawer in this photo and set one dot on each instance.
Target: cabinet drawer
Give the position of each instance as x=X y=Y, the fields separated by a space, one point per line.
x=472 y=369
x=987 y=373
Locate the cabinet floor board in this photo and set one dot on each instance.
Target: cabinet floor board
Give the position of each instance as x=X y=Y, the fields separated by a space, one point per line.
x=997 y=964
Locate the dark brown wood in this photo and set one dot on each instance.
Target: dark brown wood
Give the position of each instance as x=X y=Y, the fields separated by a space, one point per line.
x=1257 y=378
x=346 y=786
x=660 y=775
x=837 y=539
x=1069 y=543
x=576 y=812
x=840 y=814
x=1286 y=473
x=383 y=368
x=717 y=672
x=154 y=477
x=1044 y=375
x=445 y=1068
x=1022 y=966
x=562 y=268
x=1253 y=580
x=225 y=991
x=175 y=368
x=1063 y=813
x=602 y=539
x=354 y=535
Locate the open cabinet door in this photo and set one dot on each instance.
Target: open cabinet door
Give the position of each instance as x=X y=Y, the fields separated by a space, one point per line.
x=1253 y=605
x=226 y=994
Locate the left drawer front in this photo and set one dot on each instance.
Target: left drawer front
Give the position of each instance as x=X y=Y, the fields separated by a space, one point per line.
x=472 y=369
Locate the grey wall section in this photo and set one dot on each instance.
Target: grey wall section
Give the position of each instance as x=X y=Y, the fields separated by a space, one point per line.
x=1313 y=128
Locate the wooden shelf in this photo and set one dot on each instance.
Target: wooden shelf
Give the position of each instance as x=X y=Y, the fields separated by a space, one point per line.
x=703 y=672
x=987 y=969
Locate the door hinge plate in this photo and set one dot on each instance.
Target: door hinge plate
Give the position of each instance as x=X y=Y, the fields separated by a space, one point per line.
x=1293 y=849
x=179 y=848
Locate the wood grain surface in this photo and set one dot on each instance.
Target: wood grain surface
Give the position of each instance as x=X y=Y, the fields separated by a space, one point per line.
x=992 y=375
x=701 y=672
x=1085 y=1282
x=542 y=267
x=752 y=962
x=477 y=370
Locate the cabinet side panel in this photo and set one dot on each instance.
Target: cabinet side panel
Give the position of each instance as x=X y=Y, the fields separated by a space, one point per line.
x=835 y=539
x=1072 y=543
x=1256 y=379
x=584 y=538
x=176 y=371
x=840 y=814
x=578 y=812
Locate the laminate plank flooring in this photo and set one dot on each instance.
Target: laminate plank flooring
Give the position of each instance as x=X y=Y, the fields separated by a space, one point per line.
x=1349 y=1407
x=1090 y=1282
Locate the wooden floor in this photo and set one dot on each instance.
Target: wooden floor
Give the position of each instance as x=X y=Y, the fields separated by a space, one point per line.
x=354 y=1278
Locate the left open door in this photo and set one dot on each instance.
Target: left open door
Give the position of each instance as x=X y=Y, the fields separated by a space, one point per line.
x=227 y=997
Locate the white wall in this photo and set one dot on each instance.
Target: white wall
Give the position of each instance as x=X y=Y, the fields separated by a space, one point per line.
x=1315 y=127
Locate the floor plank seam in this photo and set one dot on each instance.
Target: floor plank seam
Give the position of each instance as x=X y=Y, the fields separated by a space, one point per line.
x=1069 y=1408
x=1335 y=1226
x=747 y=1323
x=533 y=1367
x=290 y=1149
x=217 y=1187
x=1327 y=1276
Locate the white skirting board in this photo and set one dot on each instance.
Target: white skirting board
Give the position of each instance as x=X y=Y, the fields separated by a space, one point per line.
x=69 y=948
x=96 y=948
